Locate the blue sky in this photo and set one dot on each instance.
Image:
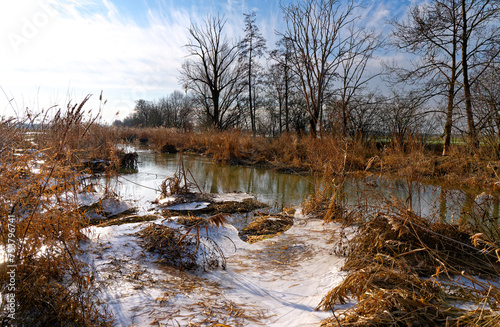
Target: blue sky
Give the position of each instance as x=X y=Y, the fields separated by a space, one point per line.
x=53 y=51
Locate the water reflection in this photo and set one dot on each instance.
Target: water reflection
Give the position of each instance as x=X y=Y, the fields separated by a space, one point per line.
x=278 y=189
x=273 y=188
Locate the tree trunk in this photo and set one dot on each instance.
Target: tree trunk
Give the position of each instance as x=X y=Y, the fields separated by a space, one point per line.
x=448 y=124
x=250 y=106
x=472 y=134
x=280 y=115
x=451 y=99
x=313 y=123
x=286 y=95
x=216 y=121
x=344 y=117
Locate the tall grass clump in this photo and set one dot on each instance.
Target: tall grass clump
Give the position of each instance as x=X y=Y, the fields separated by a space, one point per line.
x=404 y=270
x=77 y=138
x=43 y=280
x=334 y=161
x=182 y=249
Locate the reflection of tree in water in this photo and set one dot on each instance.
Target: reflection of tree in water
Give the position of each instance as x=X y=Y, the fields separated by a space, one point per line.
x=467 y=208
x=282 y=189
x=442 y=205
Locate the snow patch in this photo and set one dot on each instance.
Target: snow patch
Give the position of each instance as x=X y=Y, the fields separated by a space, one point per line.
x=189 y=206
x=276 y=282
x=232 y=197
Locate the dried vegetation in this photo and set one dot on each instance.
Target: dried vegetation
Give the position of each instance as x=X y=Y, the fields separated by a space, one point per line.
x=40 y=175
x=266 y=226
x=302 y=154
x=404 y=270
x=183 y=249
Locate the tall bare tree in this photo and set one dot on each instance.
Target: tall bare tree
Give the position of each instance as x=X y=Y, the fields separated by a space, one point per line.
x=313 y=28
x=281 y=80
x=450 y=38
x=431 y=33
x=252 y=47
x=212 y=72
x=352 y=71
x=480 y=33
x=487 y=101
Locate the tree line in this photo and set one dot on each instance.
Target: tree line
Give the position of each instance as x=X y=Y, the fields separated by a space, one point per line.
x=319 y=76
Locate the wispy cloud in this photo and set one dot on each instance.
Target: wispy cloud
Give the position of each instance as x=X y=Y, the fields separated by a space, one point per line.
x=59 y=49
x=88 y=46
x=53 y=50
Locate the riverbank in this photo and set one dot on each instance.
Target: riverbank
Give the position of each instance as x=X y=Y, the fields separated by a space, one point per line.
x=332 y=156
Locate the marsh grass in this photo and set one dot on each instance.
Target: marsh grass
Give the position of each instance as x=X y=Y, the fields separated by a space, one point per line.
x=405 y=270
x=181 y=183
x=300 y=154
x=188 y=249
x=41 y=224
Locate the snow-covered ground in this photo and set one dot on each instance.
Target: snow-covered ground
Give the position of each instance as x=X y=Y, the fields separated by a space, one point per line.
x=275 y=282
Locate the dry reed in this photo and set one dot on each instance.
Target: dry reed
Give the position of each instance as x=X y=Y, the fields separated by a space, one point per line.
x=182 y=249
x=402 y=271
x=41 y=224
x=302 y=154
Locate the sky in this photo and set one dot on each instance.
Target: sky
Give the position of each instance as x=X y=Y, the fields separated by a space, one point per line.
x=57 y=51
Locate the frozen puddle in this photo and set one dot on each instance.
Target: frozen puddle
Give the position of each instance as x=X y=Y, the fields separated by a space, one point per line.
x=275 y=282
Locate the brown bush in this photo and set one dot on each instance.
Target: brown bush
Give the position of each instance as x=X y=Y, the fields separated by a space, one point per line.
x=400 y=269
x=41 y=226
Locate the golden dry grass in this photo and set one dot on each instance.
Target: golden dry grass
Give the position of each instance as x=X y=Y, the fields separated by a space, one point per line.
x=401 y=272
x=41 y=225
x=298 y=154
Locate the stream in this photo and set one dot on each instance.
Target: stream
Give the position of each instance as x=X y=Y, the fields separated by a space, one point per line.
x=280 y=190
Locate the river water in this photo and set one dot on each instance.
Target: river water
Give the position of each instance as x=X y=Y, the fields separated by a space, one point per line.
x=273 y=188
x=284 y=190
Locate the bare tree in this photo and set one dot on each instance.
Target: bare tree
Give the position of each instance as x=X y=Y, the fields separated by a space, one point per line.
x=172 y=111
x=361 y=46
x=275 y=92
x=281 y=72
x=367 y=115
x=404 y=116
x=480 y=34
x=430 y=32
x=252 y=47
x=313 y=28
x=212 y=73
x=180 y=109
x=450 y=38
x=147 y=114
x=487 y=102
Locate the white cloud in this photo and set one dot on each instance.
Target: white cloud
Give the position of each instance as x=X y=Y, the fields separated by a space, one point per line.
x=82 y=47
x=56 y=50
